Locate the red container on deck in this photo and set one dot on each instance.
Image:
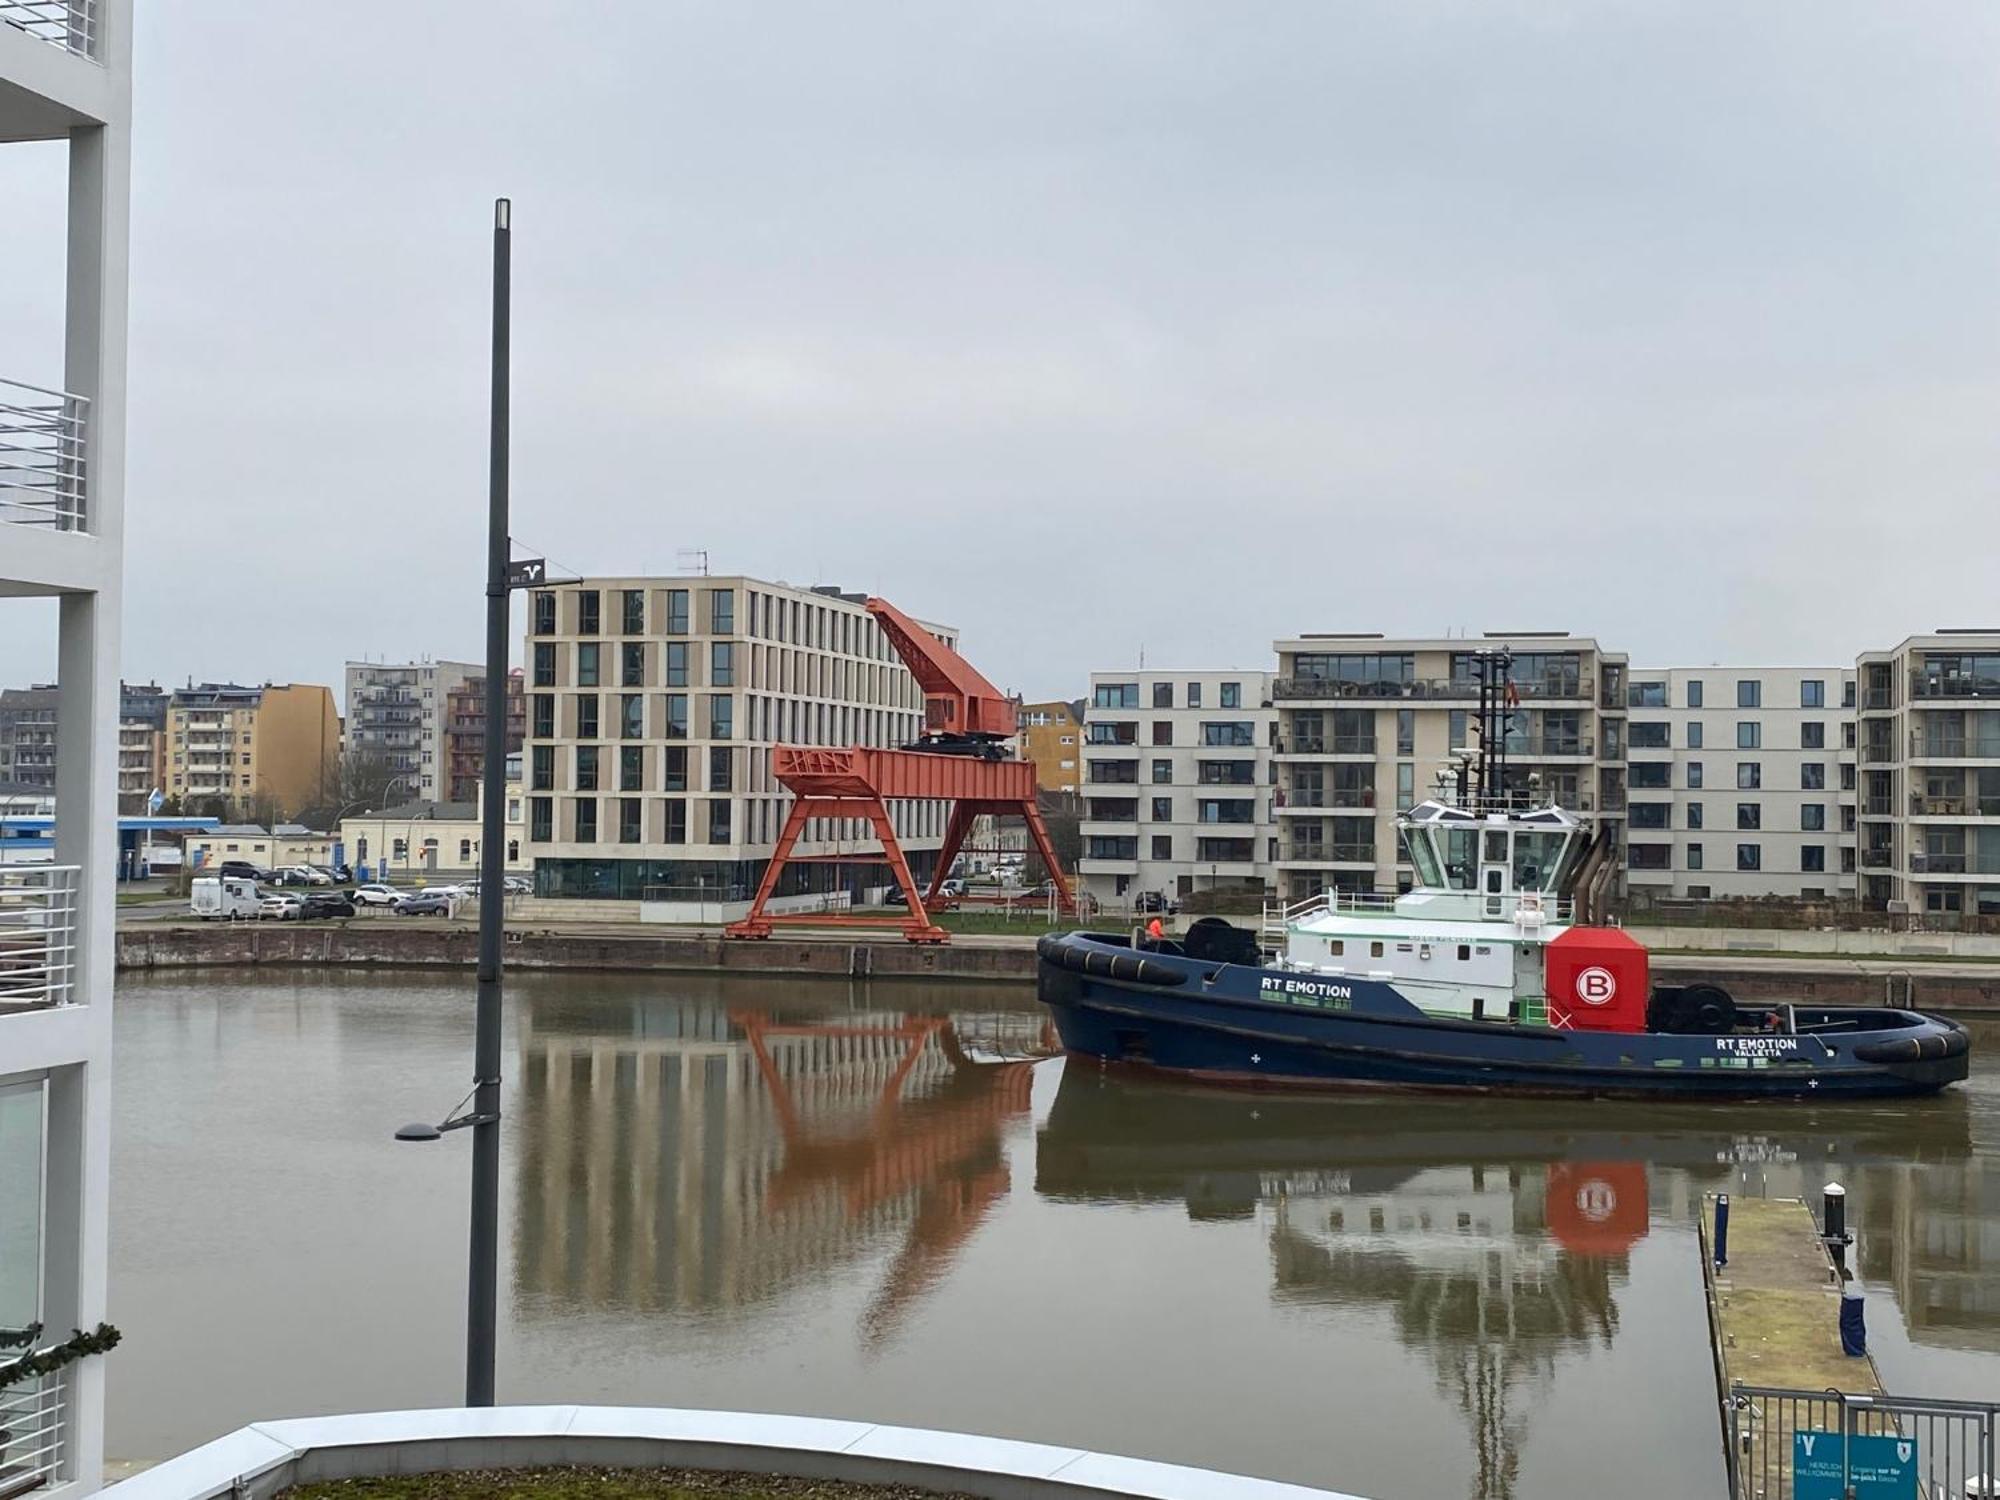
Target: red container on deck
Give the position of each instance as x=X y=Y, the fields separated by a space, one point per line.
x=1597 y=980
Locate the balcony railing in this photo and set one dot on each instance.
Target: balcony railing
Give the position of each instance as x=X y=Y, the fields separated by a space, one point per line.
x=37 y=936
x=1877 y=807
x=1325 y=744
x=1451 y=688
x=42 y=436
x=1326 y=854
x=1954 y=807
x=1877 y=859
x=31 y=1432
x=1546 y=746
x=68 y=24
x=1952 y=685
x=1336 y=796
x=1923 y=862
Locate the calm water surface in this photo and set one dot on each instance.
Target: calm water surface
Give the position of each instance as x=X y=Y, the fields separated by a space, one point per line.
x=881 y=1202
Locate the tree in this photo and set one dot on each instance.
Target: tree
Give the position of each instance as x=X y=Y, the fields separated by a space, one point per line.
x=355 y=779
x=1062 y=815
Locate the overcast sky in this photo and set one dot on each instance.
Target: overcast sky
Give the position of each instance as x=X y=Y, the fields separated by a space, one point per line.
x=1090 y=328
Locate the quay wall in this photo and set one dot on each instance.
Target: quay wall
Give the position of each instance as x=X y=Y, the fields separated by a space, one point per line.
x=163 y=946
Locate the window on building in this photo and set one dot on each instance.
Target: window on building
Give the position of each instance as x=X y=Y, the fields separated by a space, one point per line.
x=1847 y=855
x=1812 y=775
x=1228 y=733
x=1163 y=809
x=677 y=716
x=718 y=820
x=1163 y=731
x=545 y=664
x=1651 y=814
x=586 y=716
x=1694 y=734
x=1749 y=693
x=1812 y=735
x=542 y=768
x=1110 y=846
x=1649 y=856
x=722 y=664
x=677 y=612
x=677 y=664
x=1650 y=735
x=1847 y=701
x=632 y=664
x=1749 y=857
x=1406 y=785
x=632 y=612
x=1812 y=817
x=1163 y=846
x=721 y=717
x=1694 y=694
x=586 y=768
x=1163 y=695
x=1749 y=735
x=586 y=664
x=1112 y=732
x=1812 y=694
x=586 y=820
x=632 y=716
x=1406 y=731
x=722 y=621
x=1749 y=815
x=1847 y=778
x=721 y=769
x=1163 y=772
x=1694 y=775
x=1232 y=696
x=545 y=716
x=630 y=822
x=1651 y=773
x=1115 y=695
x=544 y=612
x=1694 y=856
x=1194 y=695
x=1749 y=775
x=631 y=768
x=1646 y=695
x=1694 y=815
x=1455 y=722
x=588 y=604
x=675 y=769
x=677 y=820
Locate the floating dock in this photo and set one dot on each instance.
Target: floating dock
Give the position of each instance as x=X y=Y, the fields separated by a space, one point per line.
x=1774 y=1321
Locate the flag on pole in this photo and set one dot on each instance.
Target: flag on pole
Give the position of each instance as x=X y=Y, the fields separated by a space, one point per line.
x=154 y=803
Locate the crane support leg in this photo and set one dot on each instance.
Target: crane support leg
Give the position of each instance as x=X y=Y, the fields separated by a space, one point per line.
x=755 y=923
x=954 y=835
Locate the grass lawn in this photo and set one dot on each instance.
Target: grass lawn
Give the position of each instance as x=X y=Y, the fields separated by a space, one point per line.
x=1019 y=924
x=603 y=1484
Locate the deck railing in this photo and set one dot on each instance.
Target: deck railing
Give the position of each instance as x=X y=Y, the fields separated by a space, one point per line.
x=32 y=1416
x=37 y=936
x=68 y=24
x=42 y=457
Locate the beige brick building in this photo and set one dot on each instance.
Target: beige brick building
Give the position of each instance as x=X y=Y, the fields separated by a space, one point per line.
x=245 y=743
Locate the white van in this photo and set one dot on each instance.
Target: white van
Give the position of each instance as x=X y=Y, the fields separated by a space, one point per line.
x=233 y=896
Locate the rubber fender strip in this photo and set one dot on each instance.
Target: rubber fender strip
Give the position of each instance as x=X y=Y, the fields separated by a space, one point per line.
x=1101 y=963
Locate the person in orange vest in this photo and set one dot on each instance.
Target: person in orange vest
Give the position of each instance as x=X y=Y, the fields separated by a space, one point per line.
x=1156 y=931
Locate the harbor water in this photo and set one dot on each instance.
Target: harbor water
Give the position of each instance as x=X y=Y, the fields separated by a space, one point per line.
x=887 y=1201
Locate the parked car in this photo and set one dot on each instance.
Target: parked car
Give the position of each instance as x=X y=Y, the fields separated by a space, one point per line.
x=327 y=904
x=342 y=874
x=376 y=895
x=1155 y=901
x=224 y=896
x=279 y=907
x=423 y=904
x=243 y=870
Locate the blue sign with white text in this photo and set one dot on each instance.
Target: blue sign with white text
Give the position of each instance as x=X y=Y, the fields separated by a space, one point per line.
x=1879 y=1468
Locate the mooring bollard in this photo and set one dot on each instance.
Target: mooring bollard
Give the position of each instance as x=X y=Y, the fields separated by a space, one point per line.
x=1833 y=1214
x=1853 y=1322
x=1721 y=1230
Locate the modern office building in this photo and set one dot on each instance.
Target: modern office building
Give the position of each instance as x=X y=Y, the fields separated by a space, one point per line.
x=1742 y=783
x=400 y=712
x=28 y=736
x=1367 y=724
x=1050 y=735
x=65 y=76
x=243 y=745
x=653 y=706
x=465 y=733
x=1177 y=783
x=1928 y=721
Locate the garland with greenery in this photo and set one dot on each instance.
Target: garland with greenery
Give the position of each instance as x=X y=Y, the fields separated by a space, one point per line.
x=38 y=1362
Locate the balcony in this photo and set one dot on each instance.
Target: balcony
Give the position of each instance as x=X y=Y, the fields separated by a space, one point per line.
x=1877 y=859
x=1878 y=807
x=1923 y=862
x=32 y=1418
x=1952 y=685
x=42 y=438
x=1554 y=747
x=1325 y=744
x=1961 y=806
x=1449 y=689
x=68 y=24
x=1327 y=854
x=37 y=936
x=1300 y=798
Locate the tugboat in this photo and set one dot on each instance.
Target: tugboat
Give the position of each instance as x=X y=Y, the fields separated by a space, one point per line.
x=1484 y=976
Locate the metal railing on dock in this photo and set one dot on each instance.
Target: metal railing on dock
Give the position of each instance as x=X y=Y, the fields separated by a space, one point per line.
x=1948 y=1446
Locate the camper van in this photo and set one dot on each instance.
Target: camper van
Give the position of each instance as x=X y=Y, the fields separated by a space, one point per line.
x=231 y=896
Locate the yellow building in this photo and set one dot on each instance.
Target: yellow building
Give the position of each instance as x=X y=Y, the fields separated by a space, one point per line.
x=1049 y=736
x=245 y=744
x=255 y=845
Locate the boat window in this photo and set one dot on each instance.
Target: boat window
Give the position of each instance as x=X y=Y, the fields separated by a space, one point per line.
x=1460 y=858
x=1494 y=880
x=1496 y=847
x=1374 y=950
x=1464 y=952
x=1536 y=859
x=1335 y=947
x=1423 y=854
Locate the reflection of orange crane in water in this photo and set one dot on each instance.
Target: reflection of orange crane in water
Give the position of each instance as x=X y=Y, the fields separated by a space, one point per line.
x=945 y=1147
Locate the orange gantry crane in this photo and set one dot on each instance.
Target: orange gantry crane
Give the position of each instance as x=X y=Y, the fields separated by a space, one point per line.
x=961 y=758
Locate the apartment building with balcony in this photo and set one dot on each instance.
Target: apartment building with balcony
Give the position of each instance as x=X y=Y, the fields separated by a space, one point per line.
x=1928 y=723
x=1367 y=724
x=65 y=77
x=400 y=711
x=28 y=737
x=1177 y=785
x=1051 y=735
x=653 y=707
x=240 y=745
x=142 y=744
x=1742 y=783
x=465 y=733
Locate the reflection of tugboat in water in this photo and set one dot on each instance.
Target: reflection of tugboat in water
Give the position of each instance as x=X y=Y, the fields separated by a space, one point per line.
x=1493 y=973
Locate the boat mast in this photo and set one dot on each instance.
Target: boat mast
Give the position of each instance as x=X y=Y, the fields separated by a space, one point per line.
x=1493 y=668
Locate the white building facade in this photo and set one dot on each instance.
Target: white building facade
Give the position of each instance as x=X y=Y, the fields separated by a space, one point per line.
x=65 y=75
x=1177 y=784
x=1742 y=783
x=397 y=710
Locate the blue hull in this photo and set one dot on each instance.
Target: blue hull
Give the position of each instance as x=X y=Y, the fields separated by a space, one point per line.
x=1239 y=1024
